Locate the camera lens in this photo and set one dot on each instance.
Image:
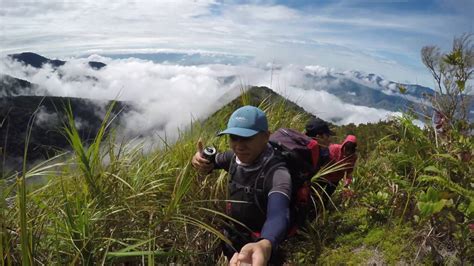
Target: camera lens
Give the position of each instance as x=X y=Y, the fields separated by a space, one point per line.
x=209 y=153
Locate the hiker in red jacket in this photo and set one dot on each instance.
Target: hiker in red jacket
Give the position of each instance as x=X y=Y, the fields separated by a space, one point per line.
x=330 y=156
x=344 y=155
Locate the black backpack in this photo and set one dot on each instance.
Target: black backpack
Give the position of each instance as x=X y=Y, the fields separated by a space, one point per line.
x=300 y=154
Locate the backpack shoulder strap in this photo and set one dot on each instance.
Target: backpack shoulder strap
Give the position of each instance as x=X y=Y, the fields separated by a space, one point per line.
x=263 y=181
x=233 y=165
x=263 y=178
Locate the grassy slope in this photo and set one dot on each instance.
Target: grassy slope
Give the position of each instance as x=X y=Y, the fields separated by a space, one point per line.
x=117 y=204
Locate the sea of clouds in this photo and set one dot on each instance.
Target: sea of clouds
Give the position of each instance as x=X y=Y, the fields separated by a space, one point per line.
x=168 y=97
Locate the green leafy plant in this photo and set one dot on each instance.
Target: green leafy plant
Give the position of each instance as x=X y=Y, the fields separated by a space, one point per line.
x=431 y=202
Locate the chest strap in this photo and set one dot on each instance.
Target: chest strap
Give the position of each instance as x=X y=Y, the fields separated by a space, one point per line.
x=262 y=175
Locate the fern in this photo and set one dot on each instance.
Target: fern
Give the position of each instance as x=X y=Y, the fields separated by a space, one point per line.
x=448 y=184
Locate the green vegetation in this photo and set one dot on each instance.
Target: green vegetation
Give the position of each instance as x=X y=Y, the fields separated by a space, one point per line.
x=110 y=202
x=413 y=204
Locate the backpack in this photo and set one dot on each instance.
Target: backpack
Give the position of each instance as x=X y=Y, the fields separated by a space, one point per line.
x=300 y=154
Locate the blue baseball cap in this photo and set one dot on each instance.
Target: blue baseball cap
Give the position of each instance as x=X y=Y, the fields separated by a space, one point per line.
x=246 y=122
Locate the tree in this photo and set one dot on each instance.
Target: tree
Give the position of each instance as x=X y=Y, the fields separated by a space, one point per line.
x=452 y=72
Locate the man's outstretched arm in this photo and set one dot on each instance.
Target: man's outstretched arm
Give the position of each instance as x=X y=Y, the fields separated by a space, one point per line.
x=273 y=232
x=278 y=218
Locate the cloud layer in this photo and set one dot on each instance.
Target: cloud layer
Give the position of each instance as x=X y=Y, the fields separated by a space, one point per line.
x=169 y=97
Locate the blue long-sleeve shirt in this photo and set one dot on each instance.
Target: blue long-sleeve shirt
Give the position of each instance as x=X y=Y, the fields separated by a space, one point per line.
x=278 y=219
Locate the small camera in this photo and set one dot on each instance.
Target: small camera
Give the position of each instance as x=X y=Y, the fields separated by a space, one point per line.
x=209 y=153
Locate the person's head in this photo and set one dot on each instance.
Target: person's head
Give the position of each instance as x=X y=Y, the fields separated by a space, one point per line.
x=248 y=133
x=349 y=149
x=319 y=129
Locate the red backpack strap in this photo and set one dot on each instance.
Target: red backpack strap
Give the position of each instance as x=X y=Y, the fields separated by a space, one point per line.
x=313 y=146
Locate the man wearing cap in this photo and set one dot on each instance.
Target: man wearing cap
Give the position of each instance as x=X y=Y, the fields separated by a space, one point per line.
x=343 y=154
x=318 y=129
x=247 y=162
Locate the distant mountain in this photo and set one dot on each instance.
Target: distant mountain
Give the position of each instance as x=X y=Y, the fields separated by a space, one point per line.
x=12 y=86
x=366 y=90
x=37 y=61
x=370 y=90
x=386 y=86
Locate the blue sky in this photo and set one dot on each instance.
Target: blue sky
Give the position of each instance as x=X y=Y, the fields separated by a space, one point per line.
x=375 y=36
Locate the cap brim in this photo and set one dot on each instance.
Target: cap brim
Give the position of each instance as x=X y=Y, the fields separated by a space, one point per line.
x=242 y=132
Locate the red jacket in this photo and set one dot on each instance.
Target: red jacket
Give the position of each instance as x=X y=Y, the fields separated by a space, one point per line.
x=336 y=156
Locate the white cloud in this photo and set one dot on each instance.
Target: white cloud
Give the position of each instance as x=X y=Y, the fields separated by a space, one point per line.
x=329 y=107
x=45 y=119
x=268 y=13
x=169 y=97
x=337 y=35
x=319 y=70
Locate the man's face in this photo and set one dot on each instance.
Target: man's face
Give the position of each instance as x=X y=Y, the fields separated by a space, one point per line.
x=248 y=149
x=323 y=140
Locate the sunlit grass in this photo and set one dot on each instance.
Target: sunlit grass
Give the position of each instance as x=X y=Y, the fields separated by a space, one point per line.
x=109 y=202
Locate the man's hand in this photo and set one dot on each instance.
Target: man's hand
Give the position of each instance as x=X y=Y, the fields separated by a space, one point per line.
x=202 y=165
x=255 y=254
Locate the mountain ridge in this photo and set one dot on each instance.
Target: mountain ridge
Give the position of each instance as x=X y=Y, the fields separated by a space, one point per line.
x=37 y=61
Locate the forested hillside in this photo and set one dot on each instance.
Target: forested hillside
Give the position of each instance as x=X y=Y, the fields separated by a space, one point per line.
x=42 y=118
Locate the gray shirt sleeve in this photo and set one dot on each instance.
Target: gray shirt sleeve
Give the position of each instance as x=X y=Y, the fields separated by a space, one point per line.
x=222 y=160
x=281 y=182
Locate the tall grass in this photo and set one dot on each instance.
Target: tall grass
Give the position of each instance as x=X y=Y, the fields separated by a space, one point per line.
x=6 y=233
x=26 y=240
x=110 y=202
x=89 y=159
